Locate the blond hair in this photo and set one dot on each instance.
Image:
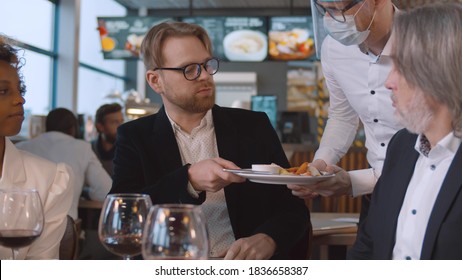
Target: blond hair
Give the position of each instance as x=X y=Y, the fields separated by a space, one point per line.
x=151 y=47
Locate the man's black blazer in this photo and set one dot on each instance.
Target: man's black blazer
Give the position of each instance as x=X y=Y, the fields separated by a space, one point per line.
x=443 y=236
x=147 y=160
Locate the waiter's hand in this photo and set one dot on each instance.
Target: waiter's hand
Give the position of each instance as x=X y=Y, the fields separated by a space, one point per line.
x=304 y=191
x=338 y=185
x=256 y=247
x=208 y=175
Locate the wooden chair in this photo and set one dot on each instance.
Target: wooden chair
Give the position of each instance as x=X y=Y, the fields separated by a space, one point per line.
x=69 y=246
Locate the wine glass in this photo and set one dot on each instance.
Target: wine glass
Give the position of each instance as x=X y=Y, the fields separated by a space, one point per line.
x=21 y=218
x=122 y=221
x=175 y=231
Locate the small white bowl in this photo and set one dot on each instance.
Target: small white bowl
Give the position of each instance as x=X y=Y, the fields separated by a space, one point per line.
x=271 y=168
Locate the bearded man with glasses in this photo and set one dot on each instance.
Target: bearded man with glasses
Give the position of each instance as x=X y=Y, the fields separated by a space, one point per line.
x=355 y=58
x=178 y=155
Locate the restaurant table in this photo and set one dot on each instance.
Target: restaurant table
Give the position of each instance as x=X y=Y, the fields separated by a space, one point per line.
x=329 y=229
x=333 y=229
x=90 y=204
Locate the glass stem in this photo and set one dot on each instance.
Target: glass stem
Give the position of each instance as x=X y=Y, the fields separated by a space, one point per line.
x=14 y=253
x=126 y=258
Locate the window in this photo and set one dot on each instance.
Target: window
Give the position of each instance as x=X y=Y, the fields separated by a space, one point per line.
x=37 y=32
x=95 y=81
x=93 y=89
x=97 y=77
x=90 y=46
x=37 y=78
x=37 y=37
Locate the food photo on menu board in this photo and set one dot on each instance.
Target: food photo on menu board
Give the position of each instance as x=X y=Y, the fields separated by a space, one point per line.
x=121 y=37
x=291 y=38
x=236 y=38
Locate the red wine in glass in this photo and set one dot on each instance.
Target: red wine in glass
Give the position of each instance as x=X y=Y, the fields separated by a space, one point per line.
x=128 y=245
x=17 y=238
x=122 y=221
x=21 y=218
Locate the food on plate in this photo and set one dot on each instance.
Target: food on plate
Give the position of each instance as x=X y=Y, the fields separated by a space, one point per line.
x=305 y=169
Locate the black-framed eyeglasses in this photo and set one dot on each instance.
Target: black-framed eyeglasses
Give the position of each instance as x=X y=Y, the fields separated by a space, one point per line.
x=192 y=71
x=335 y=13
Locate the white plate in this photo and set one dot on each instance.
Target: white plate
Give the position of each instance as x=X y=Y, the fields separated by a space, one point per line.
x=276 y=179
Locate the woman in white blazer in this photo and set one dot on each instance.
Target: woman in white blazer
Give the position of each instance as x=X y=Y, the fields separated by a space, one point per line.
x=20 y=169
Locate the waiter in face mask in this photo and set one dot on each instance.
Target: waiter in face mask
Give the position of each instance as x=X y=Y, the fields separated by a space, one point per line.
x=355 y=58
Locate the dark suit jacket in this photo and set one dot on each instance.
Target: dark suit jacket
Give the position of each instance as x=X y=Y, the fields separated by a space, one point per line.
x=376 y=237
x=147 y=160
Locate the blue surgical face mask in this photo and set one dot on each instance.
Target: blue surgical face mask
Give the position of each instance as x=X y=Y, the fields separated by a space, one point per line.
x=346 y=32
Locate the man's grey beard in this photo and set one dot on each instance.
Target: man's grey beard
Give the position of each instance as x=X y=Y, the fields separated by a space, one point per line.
x=417 y=117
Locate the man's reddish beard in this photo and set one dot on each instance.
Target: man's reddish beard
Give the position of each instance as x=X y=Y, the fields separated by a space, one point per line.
x=203 y=104
x=195 y=103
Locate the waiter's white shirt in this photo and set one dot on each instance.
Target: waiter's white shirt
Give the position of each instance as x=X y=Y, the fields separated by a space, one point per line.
x=87 y=169
x=356 y=86
x=22 y=170
x=421 y=194
x=201 y=144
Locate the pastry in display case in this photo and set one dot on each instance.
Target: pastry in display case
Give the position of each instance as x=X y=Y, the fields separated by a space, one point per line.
x=302 y=91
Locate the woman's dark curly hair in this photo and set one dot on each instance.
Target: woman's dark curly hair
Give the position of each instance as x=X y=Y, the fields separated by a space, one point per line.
x=9 y=54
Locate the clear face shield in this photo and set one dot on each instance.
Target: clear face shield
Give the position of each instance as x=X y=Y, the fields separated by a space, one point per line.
x=318 y=28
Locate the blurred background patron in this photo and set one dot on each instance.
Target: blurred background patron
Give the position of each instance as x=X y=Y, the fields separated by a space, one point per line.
x=108 y=119
x=59 y=144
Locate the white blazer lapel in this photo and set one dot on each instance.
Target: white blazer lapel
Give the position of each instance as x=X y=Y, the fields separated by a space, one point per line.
x=13 y=167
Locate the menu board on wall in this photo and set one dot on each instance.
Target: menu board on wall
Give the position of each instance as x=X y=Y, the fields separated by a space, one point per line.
x=215 y=29
x=291 y=38
x=236 y=38
x=121 y=37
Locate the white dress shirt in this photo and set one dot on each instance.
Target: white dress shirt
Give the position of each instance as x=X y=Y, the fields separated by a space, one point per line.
x=87 y=169
x=356 y=86
x=22 y=170
x=421 y=194
x=201 y=144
